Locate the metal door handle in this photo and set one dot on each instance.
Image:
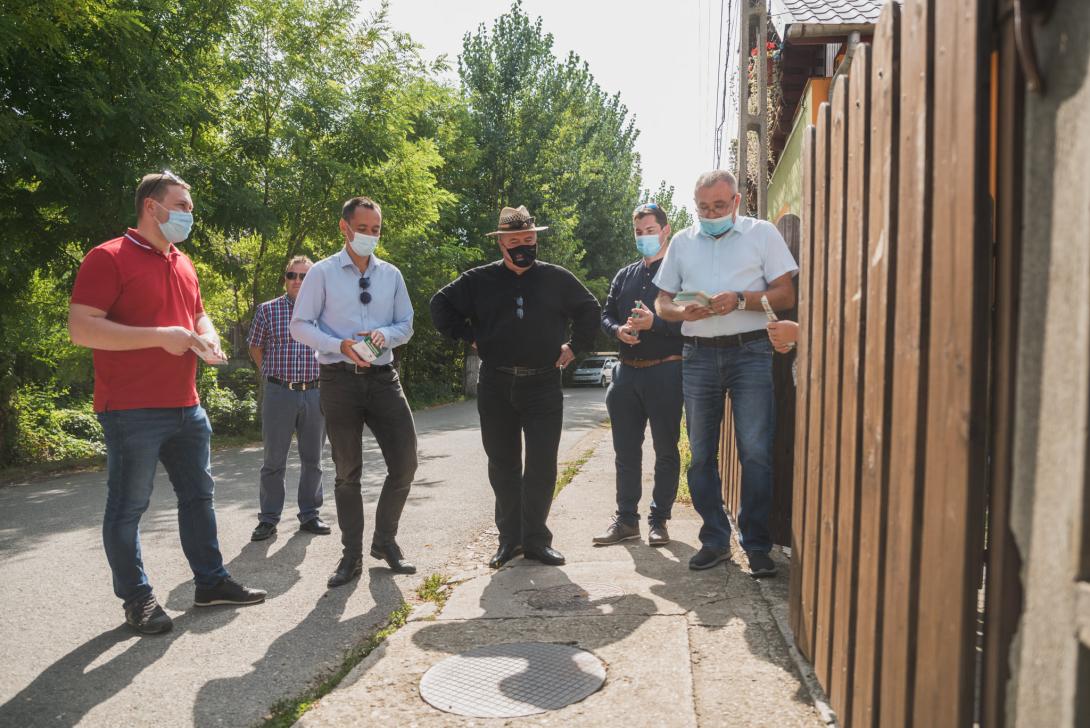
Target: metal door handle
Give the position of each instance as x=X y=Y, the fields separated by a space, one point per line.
x=1023 y=38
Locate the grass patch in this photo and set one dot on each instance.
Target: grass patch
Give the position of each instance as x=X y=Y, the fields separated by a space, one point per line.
x=683 y=494
x=286 y=712
x=571 y=469
x=434 y=590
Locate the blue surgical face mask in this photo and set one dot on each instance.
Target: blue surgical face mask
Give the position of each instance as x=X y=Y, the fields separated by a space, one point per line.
x=648 y=245
x=177 y=227
x=717 y=226
x=364 y=245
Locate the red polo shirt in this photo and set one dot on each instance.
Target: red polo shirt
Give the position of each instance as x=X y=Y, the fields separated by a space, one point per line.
x=136 y=285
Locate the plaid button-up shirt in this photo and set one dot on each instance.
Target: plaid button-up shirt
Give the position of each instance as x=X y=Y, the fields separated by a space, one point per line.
x=284 y=357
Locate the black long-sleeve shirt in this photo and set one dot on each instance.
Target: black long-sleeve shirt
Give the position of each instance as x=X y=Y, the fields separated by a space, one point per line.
x=482 y=305
x=632 y=283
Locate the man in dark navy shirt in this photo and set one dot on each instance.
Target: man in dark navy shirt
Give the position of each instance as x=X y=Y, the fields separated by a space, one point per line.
x=646 y=385
x=516 y=313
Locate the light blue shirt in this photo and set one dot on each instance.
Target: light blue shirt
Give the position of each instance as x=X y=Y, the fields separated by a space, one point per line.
x=747 y=258
x=328 y=308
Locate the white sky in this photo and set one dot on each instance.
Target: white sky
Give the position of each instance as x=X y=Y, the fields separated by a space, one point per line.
x=631 y=46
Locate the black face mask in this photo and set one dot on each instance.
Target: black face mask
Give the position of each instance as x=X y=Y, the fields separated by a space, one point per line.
x=523 y=255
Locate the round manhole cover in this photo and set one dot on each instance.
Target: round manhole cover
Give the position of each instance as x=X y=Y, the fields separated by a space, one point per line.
x=573 y=597
x=512 y=680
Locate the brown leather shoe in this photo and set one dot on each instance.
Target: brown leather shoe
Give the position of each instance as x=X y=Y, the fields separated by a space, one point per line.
x=617 y=532
x=658 y=535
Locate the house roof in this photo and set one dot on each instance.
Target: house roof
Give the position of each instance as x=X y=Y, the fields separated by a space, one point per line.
x=784 y=13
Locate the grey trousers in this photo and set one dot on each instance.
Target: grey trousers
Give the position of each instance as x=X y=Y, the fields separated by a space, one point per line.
x=285 y=412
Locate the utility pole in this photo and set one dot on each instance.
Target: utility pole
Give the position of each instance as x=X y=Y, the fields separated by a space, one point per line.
x=753 y=33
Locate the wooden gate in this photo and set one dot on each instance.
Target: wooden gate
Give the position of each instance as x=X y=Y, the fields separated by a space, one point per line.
x=893 y=369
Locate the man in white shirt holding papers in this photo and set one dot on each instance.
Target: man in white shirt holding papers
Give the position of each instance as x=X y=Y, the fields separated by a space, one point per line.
x=733 y=261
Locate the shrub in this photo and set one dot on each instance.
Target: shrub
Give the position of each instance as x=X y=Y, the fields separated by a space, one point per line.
x=45 y=433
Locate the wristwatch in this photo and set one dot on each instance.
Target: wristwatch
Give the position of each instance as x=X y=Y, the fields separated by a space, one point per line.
x=741 y=300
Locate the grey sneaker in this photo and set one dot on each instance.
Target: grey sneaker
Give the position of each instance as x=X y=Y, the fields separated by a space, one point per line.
x=147 y=617
x=616 y=533
x=657 y=535
x=761 y=564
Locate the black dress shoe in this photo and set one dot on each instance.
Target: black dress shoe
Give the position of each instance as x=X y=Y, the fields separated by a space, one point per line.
x=316 y=525
x=349 y=568
x=504 y=553
x=546 y=555
x=263 y=531
x=391 y=554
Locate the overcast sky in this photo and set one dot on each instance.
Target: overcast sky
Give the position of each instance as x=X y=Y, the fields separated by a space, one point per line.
x=660 y=56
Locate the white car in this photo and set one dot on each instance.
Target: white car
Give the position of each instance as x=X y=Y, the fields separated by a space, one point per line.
x=596 y=370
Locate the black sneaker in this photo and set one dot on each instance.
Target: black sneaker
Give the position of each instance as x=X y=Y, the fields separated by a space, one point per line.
x=616 y=533
x=227 y=591
x=708 y=557
x=761 y=564
x=147 y=617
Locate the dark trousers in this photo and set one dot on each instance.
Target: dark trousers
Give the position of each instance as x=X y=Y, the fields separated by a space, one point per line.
x=636 y=396
x=350 y=401
x=511 y=407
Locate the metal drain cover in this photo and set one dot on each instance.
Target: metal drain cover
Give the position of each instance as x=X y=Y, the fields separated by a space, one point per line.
x=512 y=680
x=574 y=597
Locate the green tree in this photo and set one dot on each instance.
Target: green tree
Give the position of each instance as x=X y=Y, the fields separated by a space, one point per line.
x=550 y=138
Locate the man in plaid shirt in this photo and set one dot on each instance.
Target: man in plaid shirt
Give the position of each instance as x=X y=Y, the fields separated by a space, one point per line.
x=290 y=407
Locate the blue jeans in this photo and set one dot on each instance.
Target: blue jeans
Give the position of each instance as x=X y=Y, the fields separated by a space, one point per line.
x=745 y=373
x=286 y=412
x=636 y=396
x=136 y=440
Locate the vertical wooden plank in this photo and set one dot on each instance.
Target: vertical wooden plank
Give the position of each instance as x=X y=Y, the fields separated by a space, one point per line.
x=851 y=379
x=878 y=362
x=906 y=457
x=805 y=286
x=1003 y=596
x=953 y=497
x=833 y=321
x=817 y=384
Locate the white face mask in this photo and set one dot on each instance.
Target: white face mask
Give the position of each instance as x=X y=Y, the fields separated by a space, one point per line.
x=364 y=245
x=178 y=225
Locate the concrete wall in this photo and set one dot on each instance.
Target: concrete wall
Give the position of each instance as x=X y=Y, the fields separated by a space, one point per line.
x=1053 y=378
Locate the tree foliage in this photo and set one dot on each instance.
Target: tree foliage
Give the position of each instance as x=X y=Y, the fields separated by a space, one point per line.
x=276 y=111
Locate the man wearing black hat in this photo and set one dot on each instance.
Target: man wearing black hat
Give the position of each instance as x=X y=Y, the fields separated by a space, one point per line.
x=516 y=313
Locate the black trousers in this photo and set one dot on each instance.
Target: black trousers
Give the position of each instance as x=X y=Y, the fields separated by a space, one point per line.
x=350 y=401
x=510 y=408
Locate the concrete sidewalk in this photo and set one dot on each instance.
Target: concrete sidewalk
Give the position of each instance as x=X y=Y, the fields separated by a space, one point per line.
x=682 y=648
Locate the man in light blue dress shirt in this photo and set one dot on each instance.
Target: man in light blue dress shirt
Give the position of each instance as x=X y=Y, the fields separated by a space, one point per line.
x=727 y=262
x=345 y=298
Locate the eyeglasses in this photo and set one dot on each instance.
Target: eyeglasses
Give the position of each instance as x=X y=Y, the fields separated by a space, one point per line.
x=291 y=275
x=365 y=296
x=519 y=310
x=166 y=174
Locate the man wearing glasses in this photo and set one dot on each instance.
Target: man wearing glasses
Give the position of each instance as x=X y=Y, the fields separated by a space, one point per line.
x=646 y=385
x=289 y=407
x=347 y=302
x=724 y=264
x=137 y=304
x=516 y=313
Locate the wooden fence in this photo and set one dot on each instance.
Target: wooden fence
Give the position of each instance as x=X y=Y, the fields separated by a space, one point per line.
x=889 y=479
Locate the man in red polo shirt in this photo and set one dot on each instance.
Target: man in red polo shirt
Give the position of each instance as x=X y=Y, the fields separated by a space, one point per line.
x=137 y=303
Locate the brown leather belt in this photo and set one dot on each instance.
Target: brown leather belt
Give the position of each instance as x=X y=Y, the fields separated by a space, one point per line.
x=644 y=363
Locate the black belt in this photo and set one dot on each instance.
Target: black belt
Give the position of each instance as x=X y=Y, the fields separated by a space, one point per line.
x=294 y=386
x=723 y=342
x=524 y=371
x=354 y=369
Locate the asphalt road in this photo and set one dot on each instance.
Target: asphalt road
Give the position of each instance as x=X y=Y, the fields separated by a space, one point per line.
x=69 y=658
